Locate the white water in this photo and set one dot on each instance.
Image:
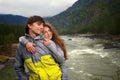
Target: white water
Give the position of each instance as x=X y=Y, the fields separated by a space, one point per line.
x=89 y=61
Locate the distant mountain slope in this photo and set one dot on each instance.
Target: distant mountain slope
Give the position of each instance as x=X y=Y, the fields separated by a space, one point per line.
x=84 y=16
x=89 y=16
x=12 y=19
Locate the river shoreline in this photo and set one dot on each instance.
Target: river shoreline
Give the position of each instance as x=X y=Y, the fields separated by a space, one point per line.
x=7 y=54
x=113 y=40
x=98 y=36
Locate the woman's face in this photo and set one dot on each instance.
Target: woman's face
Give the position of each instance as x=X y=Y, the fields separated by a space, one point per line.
x=47 y=33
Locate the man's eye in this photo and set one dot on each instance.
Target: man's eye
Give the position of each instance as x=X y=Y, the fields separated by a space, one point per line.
x=39 y=24
x=45 y=32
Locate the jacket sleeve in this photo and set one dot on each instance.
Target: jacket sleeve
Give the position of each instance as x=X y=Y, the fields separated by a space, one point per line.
x=19 y=66
x=59 y=57
x=57 y=53
x=23 y=40
x=64 y=71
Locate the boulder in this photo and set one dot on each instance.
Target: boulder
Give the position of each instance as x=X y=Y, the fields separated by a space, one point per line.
x=3 y=58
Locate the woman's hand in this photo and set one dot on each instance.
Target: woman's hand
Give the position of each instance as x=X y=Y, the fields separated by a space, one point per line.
x=30 y=47
x=46 y=41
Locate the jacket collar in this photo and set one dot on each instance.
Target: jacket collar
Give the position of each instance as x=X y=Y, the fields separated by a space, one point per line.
x=36 y=38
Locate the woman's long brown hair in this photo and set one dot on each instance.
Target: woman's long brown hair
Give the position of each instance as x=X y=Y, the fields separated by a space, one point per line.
x=56 y=38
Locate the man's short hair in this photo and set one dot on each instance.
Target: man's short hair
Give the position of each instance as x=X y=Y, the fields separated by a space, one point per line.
x=33 y=19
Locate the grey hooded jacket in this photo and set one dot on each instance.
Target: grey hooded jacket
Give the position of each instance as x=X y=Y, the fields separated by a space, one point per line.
x=52 y=48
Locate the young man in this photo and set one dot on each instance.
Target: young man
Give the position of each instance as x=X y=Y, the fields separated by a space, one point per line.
x=41 y=65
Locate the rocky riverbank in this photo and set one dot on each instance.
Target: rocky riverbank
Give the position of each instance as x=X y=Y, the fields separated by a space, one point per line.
x=7 y=54
x=113 y=41
x=5 y=60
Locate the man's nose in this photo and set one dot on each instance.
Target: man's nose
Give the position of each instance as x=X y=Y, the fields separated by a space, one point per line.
x=41 y=28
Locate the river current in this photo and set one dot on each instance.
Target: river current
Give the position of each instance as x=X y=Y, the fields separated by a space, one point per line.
x=88 y=60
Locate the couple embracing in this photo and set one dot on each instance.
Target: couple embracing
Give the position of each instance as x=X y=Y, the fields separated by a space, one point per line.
x=42 y=51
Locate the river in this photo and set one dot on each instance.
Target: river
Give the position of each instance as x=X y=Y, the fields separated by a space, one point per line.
x=88 y=60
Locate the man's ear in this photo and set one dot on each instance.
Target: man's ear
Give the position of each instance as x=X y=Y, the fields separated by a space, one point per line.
x=29 y=26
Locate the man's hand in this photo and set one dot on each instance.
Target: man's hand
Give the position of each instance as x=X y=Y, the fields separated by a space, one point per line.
x=30 y=47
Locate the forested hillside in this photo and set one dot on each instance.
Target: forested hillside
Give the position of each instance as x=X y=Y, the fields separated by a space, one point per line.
x=11 y=28
x=10 y=33
x=89 y=16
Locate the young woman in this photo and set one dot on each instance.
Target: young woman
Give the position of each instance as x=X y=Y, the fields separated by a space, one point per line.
x=53 y=42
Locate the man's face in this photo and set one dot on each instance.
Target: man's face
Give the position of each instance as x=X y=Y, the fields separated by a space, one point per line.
x=36 y=28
